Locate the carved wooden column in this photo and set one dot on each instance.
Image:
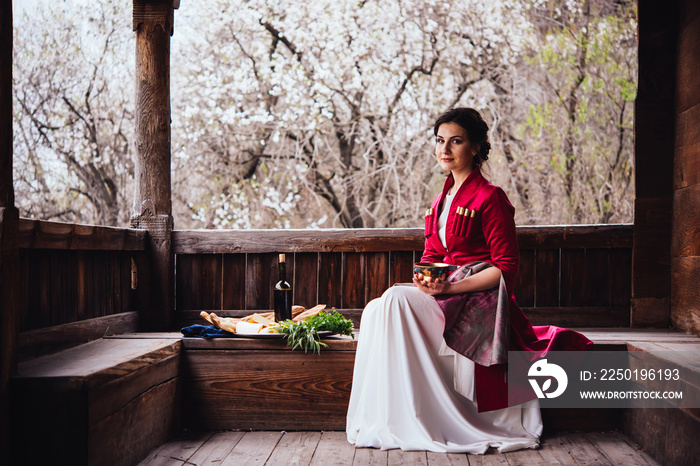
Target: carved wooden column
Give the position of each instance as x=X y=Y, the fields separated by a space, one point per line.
x=153 y=23
x=9 y=224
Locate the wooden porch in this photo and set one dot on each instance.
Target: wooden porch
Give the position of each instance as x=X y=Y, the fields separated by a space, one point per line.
x=99 y=389
x=83 y=370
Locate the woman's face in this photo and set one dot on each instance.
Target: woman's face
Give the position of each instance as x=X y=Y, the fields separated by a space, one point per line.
x=453 y=150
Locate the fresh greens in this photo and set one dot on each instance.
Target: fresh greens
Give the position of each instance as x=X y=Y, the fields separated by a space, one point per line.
x=304 y=334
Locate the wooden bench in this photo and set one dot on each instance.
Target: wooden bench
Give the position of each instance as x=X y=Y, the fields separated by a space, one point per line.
x=109 y=401
x=115 y=399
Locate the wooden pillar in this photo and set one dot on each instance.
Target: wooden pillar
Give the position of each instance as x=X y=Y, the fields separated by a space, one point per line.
x=9 y=224
x=153 y=23
x=685 y=246
x=654 y=152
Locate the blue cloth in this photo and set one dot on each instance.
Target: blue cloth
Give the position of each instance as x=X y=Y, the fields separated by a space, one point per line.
x=204 y=331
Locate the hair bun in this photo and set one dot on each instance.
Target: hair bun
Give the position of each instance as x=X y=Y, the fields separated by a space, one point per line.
x=483 y=154
x=485 y=149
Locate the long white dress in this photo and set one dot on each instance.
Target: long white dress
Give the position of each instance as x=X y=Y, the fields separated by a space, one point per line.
x=411 y=391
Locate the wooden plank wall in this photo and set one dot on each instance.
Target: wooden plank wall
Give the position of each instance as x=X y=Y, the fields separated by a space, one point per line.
x=685 y=243
x=70 y=273
x=569 y=275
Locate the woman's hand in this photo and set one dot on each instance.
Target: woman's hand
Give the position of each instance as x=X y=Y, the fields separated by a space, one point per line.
x=431 y=286
x=484 y=280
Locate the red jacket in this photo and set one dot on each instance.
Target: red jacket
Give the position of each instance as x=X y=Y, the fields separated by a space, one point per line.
x=487 y=235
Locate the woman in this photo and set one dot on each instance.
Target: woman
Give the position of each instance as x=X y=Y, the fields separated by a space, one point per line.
x=429 y=369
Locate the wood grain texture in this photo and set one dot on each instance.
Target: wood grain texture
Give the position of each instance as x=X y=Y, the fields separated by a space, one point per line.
x=261 y=270
x=668 y=435
x=152 y=114
x=408 y=458
x=651 y=251
x=619 y=449
x=688 y=80
x=216 y=448
x=383 y=239
x=620 y=277
x=686 y=222
x=306 y=279
x=650 y=312
x=46 y=340
x=685 y=294
x=199 y=280
x=294 y=448
x=96 y=362
x=275 y=390
x=401 y=267
x=354 y=276
x=105 y=402
x=490 y=458
x=525 y=283
x=253 y=449
x=137 y=377
x=333 y=449
x=178 y=450
x=377 y=274
x=584 y=451
x=573 y=277
x=525 y=458
x=327 y=240
x=547 y=278
x=553 y=452
x=233 y=281
x=330 y=275
x=64 y=286
x=127 y=436
x=577 y=278
x=447 y=459
x=686 y=166
x=42 y=234
x=371 y=457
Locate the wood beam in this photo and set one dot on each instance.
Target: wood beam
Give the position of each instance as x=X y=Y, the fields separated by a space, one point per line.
x=654 y=152
x=153 y=24
x=9 y=224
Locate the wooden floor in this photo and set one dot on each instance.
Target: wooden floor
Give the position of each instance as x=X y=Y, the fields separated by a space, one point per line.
x=332 y=448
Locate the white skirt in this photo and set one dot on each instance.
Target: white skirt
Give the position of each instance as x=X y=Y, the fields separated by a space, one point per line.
x=411 y=391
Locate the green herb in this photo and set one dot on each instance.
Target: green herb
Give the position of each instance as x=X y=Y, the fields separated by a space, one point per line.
x=304 y=334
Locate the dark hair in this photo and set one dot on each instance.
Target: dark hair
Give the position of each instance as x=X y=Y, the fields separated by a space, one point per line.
x=475 y=126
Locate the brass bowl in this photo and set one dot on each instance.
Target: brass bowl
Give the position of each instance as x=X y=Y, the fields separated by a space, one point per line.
x=433 y=269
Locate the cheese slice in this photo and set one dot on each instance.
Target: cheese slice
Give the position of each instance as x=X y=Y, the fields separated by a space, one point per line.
x=246 y=328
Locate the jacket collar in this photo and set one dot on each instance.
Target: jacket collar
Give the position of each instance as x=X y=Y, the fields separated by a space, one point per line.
x=473 y=178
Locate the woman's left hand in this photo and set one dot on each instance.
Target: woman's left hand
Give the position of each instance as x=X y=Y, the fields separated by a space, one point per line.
x=430 y=286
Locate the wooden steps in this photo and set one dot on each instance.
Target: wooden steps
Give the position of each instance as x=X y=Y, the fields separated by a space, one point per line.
x=109 y=401
x=324 y=448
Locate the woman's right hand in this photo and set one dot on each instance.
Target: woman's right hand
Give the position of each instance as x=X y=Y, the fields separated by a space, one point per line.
x=431 y=286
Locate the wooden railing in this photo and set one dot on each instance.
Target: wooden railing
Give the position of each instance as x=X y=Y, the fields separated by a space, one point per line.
x=73 y=273
x=569 y=275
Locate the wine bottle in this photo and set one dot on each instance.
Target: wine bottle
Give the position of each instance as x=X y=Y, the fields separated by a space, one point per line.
x=283 y=293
